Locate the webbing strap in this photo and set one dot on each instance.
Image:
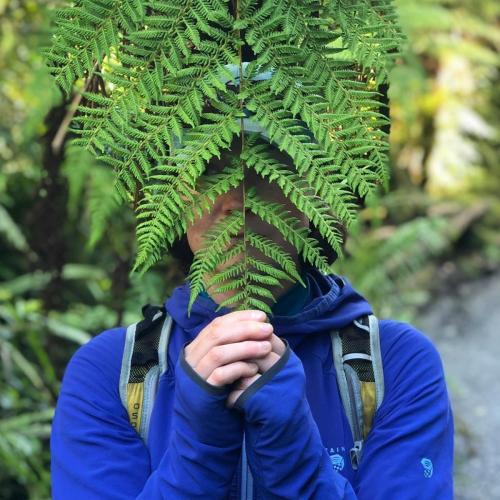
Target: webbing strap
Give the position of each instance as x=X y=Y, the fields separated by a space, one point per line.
x=356 y=355
x=135 y=398
x=368 y=396
x=376 y=353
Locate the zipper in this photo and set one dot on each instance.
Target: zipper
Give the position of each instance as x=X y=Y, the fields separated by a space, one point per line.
x=246 y=475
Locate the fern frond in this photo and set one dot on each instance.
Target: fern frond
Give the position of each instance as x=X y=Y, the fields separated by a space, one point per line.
x=165 y=212
x=319 y=210
x=216 y=241
x=275 y=253
x=371 y=32
x=159 y=66
x=171 y=98
x=86 y=33
x=289 y=227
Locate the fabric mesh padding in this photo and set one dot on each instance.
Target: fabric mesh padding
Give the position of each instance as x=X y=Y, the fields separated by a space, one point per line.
x=355 y=339
x=145 y=354
x=138 y=372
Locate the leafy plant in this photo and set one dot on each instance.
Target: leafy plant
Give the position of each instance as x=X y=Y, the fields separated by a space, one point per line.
x=179 y=82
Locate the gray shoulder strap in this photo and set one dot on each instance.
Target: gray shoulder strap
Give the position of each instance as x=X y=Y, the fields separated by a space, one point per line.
x=360 y=377
x=139 y=379
x=163 y=344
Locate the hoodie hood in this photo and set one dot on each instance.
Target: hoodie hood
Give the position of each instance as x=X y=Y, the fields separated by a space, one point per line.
x=332 y=303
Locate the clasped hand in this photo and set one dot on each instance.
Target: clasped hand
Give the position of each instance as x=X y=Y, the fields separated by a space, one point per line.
x=237 y=347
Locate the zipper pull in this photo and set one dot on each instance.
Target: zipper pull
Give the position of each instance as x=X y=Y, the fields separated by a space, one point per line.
x=355 y=454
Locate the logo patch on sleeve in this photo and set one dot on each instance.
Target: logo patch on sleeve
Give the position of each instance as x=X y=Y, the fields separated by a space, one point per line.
x=428 y=468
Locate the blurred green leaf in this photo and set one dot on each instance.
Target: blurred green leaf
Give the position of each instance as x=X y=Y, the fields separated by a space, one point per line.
x=11 y=232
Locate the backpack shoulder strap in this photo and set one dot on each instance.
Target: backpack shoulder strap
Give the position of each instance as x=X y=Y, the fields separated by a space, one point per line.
x=144 y=361
x=360 y=377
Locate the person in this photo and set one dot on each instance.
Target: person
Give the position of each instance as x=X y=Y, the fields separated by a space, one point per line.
x=266 y=384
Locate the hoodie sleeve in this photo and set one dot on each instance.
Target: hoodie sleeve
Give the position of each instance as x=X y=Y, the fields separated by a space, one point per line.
x=409 y=449
x=285 y=451
x=410 y=446
x=96 y=454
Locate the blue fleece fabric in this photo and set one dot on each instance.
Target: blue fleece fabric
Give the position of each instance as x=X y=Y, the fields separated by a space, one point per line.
x=296 y=431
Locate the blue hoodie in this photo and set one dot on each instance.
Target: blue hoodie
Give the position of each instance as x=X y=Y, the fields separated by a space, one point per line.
x=297 y=436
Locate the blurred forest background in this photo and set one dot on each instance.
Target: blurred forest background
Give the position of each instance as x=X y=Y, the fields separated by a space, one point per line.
x=66 y=243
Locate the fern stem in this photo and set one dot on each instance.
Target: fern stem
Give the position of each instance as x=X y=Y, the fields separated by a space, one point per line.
x=242 y=132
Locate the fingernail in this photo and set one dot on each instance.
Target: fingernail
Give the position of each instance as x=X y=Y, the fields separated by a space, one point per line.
x=266 y=327
x=259 y=315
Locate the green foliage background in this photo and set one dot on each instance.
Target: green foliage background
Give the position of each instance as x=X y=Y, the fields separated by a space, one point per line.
x=67 y=242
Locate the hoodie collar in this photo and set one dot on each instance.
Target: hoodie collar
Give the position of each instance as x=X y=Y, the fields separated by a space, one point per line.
x=332 y=303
